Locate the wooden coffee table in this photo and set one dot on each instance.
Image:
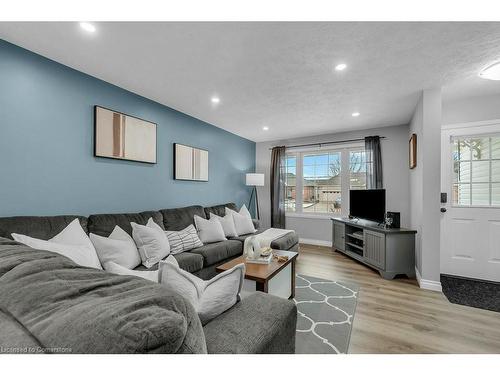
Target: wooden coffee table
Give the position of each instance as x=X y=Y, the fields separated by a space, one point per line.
x=273 y=278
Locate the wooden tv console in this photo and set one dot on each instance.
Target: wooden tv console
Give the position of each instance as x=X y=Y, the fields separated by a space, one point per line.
x=390 y=251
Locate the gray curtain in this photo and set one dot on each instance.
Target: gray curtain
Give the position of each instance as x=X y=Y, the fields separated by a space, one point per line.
x=373 y=163
x=278 y=187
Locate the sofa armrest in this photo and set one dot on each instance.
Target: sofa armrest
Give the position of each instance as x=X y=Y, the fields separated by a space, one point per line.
x=259 y=323
x=256 y=223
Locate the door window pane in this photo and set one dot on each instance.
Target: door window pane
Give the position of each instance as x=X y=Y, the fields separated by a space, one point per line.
x=476 y=171
x=480 y=194
x=495 y=194
x=480 y=148
x=481 y=171
x=461 y=150
x=461 y=171
x=495 y=147
x=461 y=194
x=495 y=171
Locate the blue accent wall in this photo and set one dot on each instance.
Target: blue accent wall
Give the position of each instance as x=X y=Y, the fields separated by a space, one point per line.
x=47 y=165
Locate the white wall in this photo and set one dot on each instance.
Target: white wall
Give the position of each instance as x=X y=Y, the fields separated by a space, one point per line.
x=395 y=170
x=416 y=186
x=478 y=108
x=425 y=185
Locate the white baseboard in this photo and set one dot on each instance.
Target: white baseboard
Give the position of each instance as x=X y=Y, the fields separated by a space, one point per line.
x=427 y=284
x=310 y=241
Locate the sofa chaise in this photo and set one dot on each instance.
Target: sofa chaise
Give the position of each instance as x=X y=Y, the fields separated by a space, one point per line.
x=60 y=305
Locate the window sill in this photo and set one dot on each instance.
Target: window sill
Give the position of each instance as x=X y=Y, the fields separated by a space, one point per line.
x=311 y=216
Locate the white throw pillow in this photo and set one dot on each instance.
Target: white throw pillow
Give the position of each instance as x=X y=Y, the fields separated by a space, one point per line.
x=209 y=230
x=151 y=241
x=119 y=248
x=72 y=242
x=119 y=270
x=242 y=221
x=227 y=223
x=210 y=298
x=183 y=240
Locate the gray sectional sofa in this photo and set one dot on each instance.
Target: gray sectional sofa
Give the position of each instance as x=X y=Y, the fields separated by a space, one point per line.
x=258 y=324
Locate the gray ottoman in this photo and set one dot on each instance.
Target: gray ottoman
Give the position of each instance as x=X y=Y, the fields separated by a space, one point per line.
x=288 y=242
x=258 y=324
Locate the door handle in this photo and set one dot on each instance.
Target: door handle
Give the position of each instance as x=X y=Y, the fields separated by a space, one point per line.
x=443 y=209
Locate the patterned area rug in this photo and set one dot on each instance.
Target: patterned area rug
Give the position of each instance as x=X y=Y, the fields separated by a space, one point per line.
x=325 y=314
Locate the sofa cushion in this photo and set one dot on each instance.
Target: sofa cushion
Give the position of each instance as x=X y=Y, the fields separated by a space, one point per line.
x=92 y=311
x=287 y=242
x=187 y=261
x=206 y=273
x=41 y=227
x=259 y=323
x=220 y=210
x=180 y=218
x=215 y=252
x=103 y=224
x=243 y=237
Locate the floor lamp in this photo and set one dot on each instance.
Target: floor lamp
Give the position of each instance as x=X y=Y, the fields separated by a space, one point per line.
x=255 y=179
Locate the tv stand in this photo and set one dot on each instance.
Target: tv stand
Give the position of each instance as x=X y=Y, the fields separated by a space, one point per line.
x=391 y=251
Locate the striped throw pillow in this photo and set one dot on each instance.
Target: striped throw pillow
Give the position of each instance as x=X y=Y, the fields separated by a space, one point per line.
x=183 y=240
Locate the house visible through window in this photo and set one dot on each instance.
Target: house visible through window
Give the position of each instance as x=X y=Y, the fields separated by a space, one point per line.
x=357 y=169
x=315 y=180
x=476 y=171
x=321 y=187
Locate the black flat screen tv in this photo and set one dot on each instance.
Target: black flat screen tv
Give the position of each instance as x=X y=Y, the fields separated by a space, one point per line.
x=367 y=204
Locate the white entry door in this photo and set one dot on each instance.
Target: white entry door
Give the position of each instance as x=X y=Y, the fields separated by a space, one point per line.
x=470 y=225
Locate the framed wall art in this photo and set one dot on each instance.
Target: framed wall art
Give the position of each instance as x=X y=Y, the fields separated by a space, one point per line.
x=121 y=136
x=190 y=163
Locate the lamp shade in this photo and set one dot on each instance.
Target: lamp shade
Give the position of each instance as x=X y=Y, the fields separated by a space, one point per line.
x=255 y=179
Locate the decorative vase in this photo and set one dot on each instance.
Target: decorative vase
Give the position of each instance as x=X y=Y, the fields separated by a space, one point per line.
x=257 y=251
x=248 y=248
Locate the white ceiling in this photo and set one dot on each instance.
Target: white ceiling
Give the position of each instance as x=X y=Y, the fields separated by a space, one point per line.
x=278 y=75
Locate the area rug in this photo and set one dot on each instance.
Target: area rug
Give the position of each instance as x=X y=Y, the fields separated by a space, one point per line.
x=475 y=293
x=325 y=314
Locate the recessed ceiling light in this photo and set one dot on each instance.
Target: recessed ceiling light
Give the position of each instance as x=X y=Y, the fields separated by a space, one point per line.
x=87 y=27
x=355 y=114
x=215 y=99
x=491 y=72
x=340 y=67
x=265 y=128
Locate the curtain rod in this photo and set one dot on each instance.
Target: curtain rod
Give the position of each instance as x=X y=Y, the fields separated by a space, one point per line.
x=328 y=143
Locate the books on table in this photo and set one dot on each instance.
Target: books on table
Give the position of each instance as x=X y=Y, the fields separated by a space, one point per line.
x=260 y=260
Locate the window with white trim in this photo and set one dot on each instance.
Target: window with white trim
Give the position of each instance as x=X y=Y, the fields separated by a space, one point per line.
x=318 y=181
x=290 y=169
x=476 y=171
